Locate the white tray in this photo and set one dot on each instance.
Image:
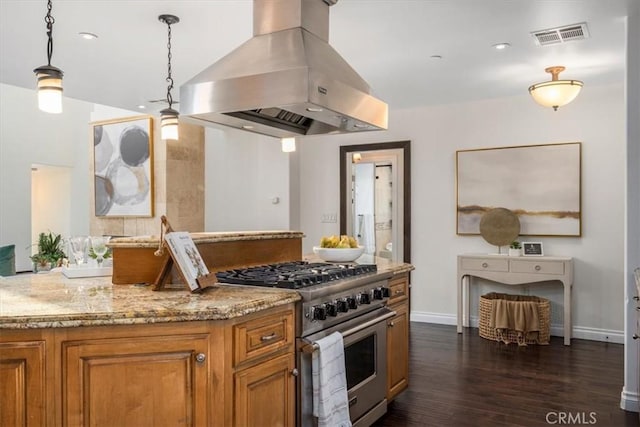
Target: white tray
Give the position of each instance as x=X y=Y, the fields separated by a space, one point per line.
x=74 y=272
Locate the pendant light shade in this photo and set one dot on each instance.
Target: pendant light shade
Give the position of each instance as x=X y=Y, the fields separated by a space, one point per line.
x=169 y=124
x=49 y=88
x=555 y=93
x=169 y=116
x=49 y=77
x=288 y=145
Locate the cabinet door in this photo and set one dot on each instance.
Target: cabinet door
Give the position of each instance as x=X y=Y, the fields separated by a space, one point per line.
x=22 y=384
x=265 y=394
x=153 y=380
x=397 y=351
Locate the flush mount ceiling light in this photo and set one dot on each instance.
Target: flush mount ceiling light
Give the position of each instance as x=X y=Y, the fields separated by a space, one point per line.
x=49 y=77
x=288 y=145
x=169 y=116
x=555 y=93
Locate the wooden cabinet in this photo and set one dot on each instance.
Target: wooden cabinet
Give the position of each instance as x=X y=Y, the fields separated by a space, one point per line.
x=200 y=373
x=23 y=383
x=136 y=380
x=398 y=337
x=264 y=362
x=265 y=394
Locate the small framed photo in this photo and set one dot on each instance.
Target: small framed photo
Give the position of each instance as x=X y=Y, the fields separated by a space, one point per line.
x=532 y=249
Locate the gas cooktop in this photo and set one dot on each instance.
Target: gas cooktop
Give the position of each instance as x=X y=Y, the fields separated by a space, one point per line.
x=294 y=275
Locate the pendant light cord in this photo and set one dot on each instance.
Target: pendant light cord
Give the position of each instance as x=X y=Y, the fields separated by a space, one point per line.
x=49 y=20
x=169 y=78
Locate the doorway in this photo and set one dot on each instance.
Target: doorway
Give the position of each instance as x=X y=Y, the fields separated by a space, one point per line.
x=375 y=197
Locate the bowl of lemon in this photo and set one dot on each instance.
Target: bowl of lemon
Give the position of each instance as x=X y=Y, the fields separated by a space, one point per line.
x=338 y=249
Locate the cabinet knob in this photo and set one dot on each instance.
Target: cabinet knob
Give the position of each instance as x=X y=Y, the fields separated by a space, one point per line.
x=391 y=324
x=201 y=357
x=636 y=298
x=537 y=267
x=485 y=265
x=294 y=372
x=269 y=337
x=635 y=336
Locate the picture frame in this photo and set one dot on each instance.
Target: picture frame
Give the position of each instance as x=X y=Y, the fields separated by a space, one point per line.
x=541 y=184
x=123 y=180
x=532 y=249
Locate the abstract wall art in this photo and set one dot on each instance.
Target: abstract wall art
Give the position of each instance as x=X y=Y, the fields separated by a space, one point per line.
x=123 y=167
x=539 y=183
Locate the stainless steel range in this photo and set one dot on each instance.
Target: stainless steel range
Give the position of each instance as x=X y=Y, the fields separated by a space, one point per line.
x=348 y=298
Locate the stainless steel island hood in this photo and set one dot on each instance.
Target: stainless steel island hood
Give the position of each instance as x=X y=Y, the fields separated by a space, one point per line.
x=286 y=80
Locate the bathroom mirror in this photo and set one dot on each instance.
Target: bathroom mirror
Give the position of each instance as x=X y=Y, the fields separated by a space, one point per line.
x=375 y=197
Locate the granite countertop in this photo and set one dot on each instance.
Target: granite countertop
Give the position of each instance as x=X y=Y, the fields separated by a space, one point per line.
x=51 y=300
x=226 y=236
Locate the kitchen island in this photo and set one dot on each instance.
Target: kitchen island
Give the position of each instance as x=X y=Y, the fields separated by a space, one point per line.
x=72 y=350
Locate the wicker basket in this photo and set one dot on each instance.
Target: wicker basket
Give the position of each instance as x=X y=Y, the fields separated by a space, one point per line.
x=485 y=309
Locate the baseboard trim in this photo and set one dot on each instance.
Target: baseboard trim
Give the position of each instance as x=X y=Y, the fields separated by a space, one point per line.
x=580 y=332
x=629 y=401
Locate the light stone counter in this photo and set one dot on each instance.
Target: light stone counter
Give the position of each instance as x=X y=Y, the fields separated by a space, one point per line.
x=211 y=237
x=52 y=300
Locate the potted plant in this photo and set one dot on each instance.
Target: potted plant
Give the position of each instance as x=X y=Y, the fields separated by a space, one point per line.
x=515 y=249
x=50 y=253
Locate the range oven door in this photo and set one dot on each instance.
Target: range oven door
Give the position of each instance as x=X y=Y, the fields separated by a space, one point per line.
x=365 y=351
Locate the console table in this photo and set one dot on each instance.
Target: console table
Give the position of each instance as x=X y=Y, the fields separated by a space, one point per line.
x=514 y=271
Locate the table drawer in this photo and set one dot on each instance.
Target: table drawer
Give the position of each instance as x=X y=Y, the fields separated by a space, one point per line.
x=485 y=264
x=537 y=267
x=262 y=336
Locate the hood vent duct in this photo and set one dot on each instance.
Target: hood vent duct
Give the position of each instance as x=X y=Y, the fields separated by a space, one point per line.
x=286 y=81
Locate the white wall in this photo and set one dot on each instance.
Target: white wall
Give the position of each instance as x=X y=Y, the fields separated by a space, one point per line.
x=245 y=174
x=29 y=136
x=630 y=393
x=596 y=118
x=50 y=186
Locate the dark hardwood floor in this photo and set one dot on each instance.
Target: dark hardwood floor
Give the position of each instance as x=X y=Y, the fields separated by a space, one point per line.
x=463 y=380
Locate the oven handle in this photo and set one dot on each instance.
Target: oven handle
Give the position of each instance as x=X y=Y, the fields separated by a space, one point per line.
x=310 y=347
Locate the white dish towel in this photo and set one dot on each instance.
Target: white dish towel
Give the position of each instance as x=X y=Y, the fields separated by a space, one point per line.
x=330 y=398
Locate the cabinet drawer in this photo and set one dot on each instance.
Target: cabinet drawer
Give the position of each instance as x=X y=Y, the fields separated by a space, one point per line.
x=537 y=267
x=262 y=336
x=485 y=264
x=398 y=288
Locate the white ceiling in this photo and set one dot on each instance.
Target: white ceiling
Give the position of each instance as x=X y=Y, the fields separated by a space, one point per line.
x=389 y=42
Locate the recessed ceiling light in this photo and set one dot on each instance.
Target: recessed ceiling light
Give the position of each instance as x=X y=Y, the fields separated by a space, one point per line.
x=501 y=46
x=314 y=109
x=87 y=36
x=142 y=107
x=247 y=127
x=436 y=57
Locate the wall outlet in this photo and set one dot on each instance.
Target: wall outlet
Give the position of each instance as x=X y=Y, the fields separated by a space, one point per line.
x=329 y=218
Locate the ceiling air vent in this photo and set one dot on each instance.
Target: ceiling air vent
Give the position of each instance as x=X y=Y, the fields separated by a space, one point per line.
x=561 y=34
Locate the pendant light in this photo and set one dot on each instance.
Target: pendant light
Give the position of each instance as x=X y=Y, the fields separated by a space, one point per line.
x=49 y=77
x=169 y=116
x=555 y=93
x=288 y=145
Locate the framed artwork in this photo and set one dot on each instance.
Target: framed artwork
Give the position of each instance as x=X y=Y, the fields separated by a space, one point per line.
x=539 y=183
x=532 y=249
x=123 y=167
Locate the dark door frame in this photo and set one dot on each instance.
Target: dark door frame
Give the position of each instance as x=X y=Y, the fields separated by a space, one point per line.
x=406 y=148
